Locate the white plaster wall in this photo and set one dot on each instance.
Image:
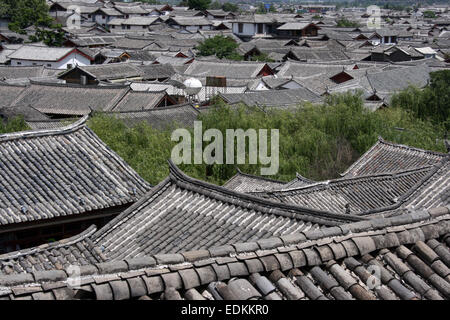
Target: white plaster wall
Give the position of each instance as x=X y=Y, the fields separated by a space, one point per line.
x=73 y=59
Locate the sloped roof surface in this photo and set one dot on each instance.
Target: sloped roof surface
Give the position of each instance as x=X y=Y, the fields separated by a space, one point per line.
x=361 y=194
x=386 y=156
x=62 y=172
x=162 y=117
x=271 y=98
x=70 y=99
x=242 y=182
x=225 y=69
x=211 y=216
x=411 y=256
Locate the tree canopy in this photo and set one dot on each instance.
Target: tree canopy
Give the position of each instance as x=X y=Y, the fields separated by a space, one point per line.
x=26 y=13
x=198 y=4
x=431 y=103
x=221 y=46
x=317 y=141
x=345 y=23
x=230 y=7
x=13 y=125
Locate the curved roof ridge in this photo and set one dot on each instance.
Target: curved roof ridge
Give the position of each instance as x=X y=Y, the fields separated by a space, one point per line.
x=79 y=124
x=53 y=245
x=302 y=178
x=177 y=176
x=257 y=177
x=404 y=146
x=348 y=180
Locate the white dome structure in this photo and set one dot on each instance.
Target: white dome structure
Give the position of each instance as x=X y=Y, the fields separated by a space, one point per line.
x=193 y=86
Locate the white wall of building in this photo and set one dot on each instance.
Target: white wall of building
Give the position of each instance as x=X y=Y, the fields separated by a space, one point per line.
x=73 y=59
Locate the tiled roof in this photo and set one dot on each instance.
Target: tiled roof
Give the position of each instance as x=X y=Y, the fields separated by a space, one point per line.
x=55 y=173
x=298 y=182
x=134 y=101
x=48 y=124
x=9 y=93
x=272 y=98
x=70 y=99
x=243 y=182
x=386 y=156
x=38 y=53
x=162 y=117
x=226 y=69
x=56 y=255
x=358 y=195
x=211 y=216
x=405 y=258
x=10 y=72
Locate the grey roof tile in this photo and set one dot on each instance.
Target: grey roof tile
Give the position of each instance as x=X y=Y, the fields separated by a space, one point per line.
x=103 y=291
x=206 y=274
x=154 y=284
x=190 y=278
x=137 y=287
x=243 y=290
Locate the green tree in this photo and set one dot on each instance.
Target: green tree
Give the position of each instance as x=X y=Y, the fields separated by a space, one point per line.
x=220 y=46
x=25 y=13
x=215 y=5
x=430 y=103
x=230 y=7
x=199 y=4
x=318 y=141
x=429 y=14
x=263 y=57
x=53 y=37
x=345 y=23
x=14 y=124
x=261 y=9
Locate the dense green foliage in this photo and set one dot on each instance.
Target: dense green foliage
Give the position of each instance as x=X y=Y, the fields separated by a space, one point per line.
x=13 y=125
x=26 y=13
x=53 y=37
x=261 y=9
x=319 y=142
x=227 y=6
x=263 y=57
x=221 y=46
x=345 y=23
x=230 y=7
x=198 y=4
x=431 y=103
x=429 y=14
x=216 y=5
